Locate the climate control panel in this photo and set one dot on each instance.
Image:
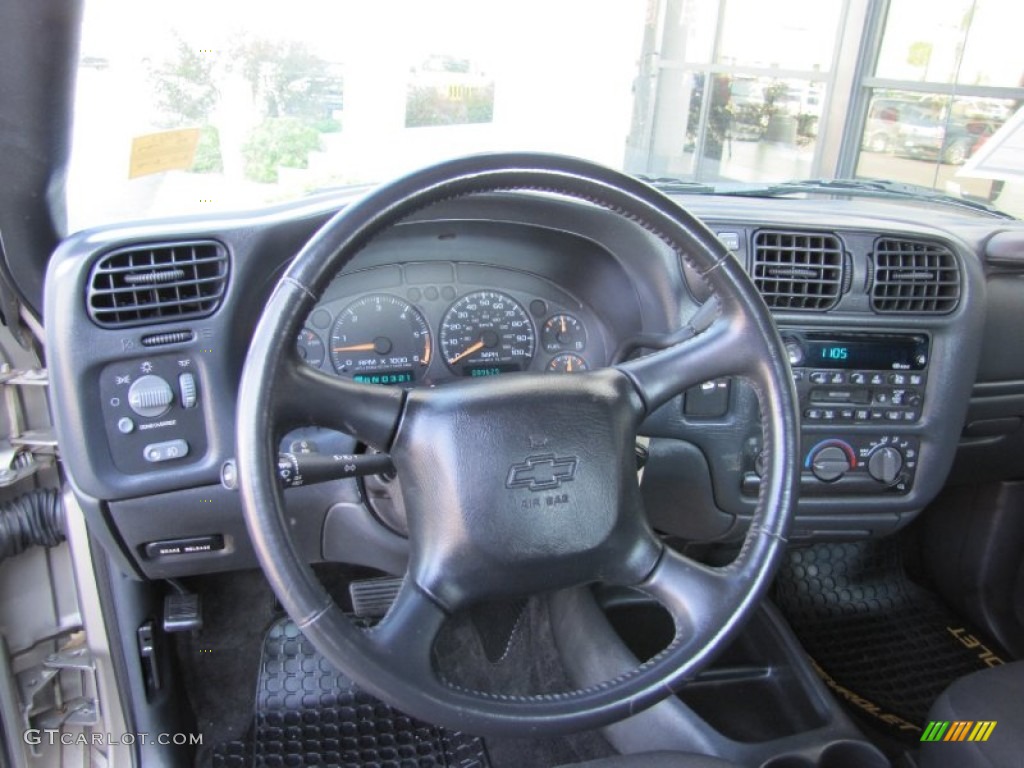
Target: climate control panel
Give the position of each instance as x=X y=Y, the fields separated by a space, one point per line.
x=152 y=413
x=859 y=463
x=852 y=465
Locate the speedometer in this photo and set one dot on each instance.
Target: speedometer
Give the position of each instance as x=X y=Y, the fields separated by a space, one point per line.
x=380 y=339
x=486 y=333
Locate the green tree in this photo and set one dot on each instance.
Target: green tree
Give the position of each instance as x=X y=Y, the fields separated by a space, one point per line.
x=186 y=91
x=277 y=142
x=288 y=79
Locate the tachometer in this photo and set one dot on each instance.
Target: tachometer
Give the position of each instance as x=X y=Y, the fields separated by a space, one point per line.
x=486 y=333
x=381 y=339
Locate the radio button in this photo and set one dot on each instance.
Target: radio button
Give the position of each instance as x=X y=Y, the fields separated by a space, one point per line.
x=828 y=415
x=795 y=353
x=813 y=414
x=862 y=414
x=819 y=377
x=916 y=379
x=877 y=379
x=898 y=379
x=858 y=377
x=877 y=415
x=894 y=415
x=882 y=398
x=837 y=378
x=846 y=414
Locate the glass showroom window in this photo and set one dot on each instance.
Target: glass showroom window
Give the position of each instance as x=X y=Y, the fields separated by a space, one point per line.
x=943 y=87
x=739 y=89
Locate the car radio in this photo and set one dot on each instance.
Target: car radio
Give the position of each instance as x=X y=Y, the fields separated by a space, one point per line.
x=858 y=378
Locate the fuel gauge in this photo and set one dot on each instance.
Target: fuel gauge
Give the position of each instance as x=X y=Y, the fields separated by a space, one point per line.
x=563 y=333
x=567 y=362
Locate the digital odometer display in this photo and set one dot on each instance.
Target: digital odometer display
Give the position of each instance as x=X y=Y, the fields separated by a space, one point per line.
x=395 y=377
x=487 y=331
x=476 y=371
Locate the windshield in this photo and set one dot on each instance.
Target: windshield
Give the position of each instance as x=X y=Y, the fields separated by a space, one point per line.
x=192 y=106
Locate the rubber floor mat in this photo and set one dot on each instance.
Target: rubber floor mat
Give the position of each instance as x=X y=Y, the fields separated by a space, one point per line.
x=884 y=645
x=309 y=714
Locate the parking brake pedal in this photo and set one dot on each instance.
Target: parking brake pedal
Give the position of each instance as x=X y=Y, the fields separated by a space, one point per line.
x=371 y=598
x=182 y=612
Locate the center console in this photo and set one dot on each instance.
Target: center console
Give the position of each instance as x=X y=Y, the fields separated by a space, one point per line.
x=858 y=392
x=880 y=405
x=760 y=703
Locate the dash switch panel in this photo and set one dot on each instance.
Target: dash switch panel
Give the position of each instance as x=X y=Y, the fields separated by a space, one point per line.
x=153 y=414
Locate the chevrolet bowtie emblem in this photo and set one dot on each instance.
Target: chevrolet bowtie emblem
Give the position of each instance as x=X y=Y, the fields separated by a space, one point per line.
x=542 y=473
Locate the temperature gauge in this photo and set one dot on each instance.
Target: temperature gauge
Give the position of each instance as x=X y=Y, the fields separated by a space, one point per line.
x=563 y=333
x=568 y=363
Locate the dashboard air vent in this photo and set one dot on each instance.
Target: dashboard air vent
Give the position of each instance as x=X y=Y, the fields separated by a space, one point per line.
x=914 y=277
x=798 y=270
x=157 y=283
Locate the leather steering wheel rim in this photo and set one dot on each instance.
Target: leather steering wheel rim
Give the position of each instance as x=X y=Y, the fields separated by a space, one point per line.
x=452 y=563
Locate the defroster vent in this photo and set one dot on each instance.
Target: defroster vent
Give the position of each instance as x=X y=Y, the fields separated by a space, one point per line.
x=158 y=283
x=913 y=276
x=798 y=270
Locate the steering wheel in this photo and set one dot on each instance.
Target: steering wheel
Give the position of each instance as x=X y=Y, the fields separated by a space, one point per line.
x=474 y=454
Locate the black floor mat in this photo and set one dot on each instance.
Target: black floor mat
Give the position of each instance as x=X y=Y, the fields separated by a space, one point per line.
x=309 y=714
x=886 y=646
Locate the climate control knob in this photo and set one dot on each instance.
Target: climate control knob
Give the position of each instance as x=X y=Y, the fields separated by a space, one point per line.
x=884 y=464
x=830 y=463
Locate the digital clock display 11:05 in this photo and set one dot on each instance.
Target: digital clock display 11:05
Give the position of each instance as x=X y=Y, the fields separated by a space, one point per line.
x=835 y=352
x=869 y=353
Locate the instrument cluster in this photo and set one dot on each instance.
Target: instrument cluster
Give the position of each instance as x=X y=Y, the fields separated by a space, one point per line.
x=384 y=337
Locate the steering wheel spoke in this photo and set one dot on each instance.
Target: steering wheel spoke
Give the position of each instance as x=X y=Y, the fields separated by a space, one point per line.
x=364 y=411
x=692 y=592
x=725 y=348
x=405 y=636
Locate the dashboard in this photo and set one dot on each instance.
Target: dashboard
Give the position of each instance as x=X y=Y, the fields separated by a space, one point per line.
x=902 y=332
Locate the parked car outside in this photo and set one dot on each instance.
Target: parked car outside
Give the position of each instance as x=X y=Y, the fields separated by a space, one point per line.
x=925 y=135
